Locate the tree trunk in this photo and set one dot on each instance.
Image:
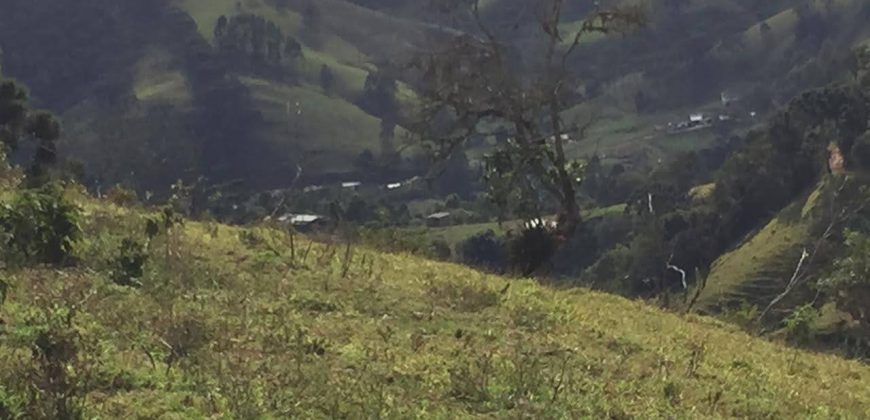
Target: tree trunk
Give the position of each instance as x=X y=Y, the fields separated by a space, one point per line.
x=569 y=213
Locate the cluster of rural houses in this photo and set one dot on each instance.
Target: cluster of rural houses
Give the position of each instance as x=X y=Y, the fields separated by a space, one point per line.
x=702 y=120
x=306 y=222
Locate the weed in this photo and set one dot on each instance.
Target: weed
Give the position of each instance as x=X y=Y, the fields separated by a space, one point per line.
x=673 y=392
x=532 y=317
x=62 y=364
x=470 y=377
x=183 y=337
x=698 y=349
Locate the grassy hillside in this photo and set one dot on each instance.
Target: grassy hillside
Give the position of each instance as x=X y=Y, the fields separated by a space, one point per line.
x=304 y=118
x=250 y=322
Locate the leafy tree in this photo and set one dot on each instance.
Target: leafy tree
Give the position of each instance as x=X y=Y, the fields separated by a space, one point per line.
x=476 y=81
x=254 y=40
x=220 y=28
x=849 y=283
x=293 y=49
x=44 y=128
x=379 y=96
x=18 y=122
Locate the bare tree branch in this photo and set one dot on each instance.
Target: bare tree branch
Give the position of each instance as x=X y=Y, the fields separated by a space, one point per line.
x=678 y=270
x=791 y=284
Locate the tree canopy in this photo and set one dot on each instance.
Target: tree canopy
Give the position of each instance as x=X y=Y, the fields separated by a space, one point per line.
x=19 y=122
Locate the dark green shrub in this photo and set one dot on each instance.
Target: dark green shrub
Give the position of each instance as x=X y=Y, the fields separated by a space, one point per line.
x=532 y=249
x=483 y=250
x=39 y=226
x=129 y=266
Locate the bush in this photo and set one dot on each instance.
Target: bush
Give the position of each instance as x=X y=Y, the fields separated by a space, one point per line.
x=531 y=249
x=122 y=196
x=483 y=250
x=39 y=226
x=799 y=325
x=129 y=266
x=54 y=383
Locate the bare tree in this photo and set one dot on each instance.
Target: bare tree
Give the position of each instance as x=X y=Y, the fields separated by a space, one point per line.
x=474 y=85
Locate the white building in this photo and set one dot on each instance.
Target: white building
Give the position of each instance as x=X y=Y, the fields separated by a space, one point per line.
x=302 y=220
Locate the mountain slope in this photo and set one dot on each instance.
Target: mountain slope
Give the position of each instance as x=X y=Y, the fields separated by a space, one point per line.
x=759 y=268
x=252 y=322
x=147 y=81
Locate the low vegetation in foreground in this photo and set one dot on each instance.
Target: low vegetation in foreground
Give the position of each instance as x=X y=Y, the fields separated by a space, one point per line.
x=146 y=315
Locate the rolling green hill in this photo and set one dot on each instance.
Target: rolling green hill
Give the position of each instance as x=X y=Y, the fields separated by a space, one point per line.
x=253 y=323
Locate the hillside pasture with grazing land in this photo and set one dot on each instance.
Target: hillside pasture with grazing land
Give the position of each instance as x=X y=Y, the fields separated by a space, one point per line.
x=251 y=322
